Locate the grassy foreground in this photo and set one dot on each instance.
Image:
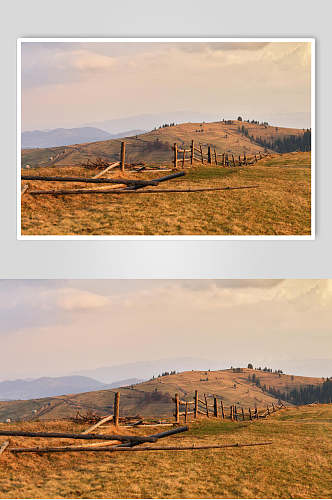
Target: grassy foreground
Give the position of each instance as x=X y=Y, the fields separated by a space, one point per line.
x=280 y=205
x=296 y=465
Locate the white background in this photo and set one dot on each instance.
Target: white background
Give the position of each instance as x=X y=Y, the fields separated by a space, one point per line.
x=169 y=258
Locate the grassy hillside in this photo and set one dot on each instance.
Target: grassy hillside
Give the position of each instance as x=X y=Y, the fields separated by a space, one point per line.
x=280 y=205
x=154 y=398
x=225 y=138
x=296 y=465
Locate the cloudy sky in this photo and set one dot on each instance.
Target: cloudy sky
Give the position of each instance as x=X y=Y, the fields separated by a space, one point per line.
x=72 y=84
x=56 y=327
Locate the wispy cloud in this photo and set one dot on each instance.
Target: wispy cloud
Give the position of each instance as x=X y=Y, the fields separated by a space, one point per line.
x=99 y=81
x=71 y=299
x=108 y=322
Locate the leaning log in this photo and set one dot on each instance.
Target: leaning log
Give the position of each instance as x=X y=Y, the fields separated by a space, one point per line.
x=101 y=422
x=3 y=446
x=66 y=435
x=113 y=165
x=25 y=189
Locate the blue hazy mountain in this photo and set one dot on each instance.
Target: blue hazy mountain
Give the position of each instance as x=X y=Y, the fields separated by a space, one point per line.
x=67 y=136
x=55 y=386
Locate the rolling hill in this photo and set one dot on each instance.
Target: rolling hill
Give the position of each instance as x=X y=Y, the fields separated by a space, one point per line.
x=154 y=397
x=156 y=146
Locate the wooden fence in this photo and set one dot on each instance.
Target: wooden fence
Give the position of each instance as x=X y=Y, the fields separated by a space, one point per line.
x=206 y=405
x=211 y=156
x=213 y=406
x=193 y=153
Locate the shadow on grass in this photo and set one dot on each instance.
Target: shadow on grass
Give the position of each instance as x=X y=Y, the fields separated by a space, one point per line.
x=212 y=427
x=210 y=173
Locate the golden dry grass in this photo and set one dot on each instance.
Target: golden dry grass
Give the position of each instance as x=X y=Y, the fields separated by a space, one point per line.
x=296 y=465
x=281 y=205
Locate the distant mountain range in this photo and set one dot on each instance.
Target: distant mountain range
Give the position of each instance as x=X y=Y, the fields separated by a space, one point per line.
x=68 y=136
x=55 y=386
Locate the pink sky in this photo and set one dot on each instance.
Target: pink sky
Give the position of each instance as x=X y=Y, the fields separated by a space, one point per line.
x=72 y=84
x=66 y=326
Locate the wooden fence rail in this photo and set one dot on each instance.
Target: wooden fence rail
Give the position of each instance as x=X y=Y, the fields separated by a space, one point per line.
x=217 y=408
x=211 y=156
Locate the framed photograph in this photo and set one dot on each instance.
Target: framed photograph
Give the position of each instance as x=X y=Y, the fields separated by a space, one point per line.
x=166 y=138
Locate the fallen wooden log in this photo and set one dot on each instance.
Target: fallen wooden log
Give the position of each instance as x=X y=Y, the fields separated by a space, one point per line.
x=128 y=182
x=65 y=435
x=130 y=449
x=135 y=184
x=127 y=191
x=159 y=435
x=151 y=170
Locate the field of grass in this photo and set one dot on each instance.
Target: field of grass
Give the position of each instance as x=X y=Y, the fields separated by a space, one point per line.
x=296 y=465
x=280 y=205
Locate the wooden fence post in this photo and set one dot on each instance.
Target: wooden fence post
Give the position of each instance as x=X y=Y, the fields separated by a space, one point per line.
x=233 y=160
x=223 y=159
x=215 y=157
x=250 y=416
x=122 y=156
x=116 y=408
x=183 y=157
x=256 y=413
x=186 y=412
x=192 y=152
x=242 y=413
x=196 y=404
x=177 y=415
x=175 y=159
x=222 y=409
x=215 y=407
x=209 y=154
x=239 y=160
x=200 y=147
x=231 y=413
x=235 y=412
x=206 y=406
